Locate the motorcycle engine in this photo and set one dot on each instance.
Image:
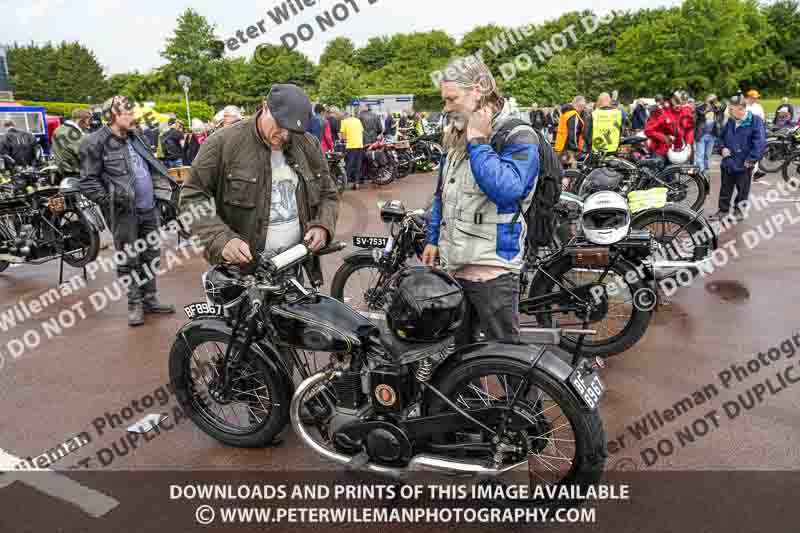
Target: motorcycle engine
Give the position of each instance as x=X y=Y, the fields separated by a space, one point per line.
x=362 y=423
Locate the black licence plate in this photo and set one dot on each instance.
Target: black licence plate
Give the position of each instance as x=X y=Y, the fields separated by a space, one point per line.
x=588 y=386
x=203 y=309
x=370 y=242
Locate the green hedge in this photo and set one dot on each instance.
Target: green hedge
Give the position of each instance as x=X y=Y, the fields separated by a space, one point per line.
x=56 y=108
x=200 y=110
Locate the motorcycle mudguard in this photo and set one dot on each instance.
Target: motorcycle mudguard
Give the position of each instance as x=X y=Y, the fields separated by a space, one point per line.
x=262 y=348
x=94 y=218
x=358 y=256
x=686 y=169
x=686 y=212
x=529 y=354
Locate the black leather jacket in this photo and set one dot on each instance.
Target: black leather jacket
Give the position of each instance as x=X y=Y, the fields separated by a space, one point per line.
x=107 y=173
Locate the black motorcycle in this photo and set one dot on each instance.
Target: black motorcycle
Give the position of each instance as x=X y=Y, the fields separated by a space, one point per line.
x=782 y=144
x=370 y=401
x=686 y=185
x=337 y=169
x=47 y=221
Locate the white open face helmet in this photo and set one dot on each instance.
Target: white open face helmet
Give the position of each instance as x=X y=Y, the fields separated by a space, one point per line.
x=679 y=157
x=606 y=218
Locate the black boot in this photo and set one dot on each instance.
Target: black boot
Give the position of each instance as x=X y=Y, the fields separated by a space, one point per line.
x=135 y=314
x=152 y=305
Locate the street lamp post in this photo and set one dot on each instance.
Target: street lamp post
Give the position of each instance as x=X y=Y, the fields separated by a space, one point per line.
x=186 y=82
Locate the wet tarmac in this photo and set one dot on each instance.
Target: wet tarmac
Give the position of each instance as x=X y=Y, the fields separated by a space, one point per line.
x=79 y=379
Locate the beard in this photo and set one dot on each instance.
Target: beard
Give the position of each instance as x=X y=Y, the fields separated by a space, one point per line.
x=454 y=139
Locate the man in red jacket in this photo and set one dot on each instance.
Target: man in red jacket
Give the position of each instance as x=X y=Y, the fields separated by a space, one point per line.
x=673 y=127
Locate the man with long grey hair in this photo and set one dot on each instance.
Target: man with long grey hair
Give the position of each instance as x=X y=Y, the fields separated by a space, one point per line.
x=486 y=183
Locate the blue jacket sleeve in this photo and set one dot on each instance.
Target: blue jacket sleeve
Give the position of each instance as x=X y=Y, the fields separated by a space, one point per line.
x=508 y=177
x=436 y=209
x=759 y=140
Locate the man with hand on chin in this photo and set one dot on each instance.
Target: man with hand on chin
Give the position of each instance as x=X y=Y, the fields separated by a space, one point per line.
x=270 y=184
x=486 y=184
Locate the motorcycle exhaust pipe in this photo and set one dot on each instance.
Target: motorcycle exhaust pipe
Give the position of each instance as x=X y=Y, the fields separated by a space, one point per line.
x=663 y=269
x=418 y=463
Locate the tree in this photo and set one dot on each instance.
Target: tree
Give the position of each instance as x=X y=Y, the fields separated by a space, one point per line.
x=68 y=72
x=551 y=83
x=594 y=74
x=377 y=53
x=274 y=64
x=338 y=49
x=339 y=84
x=192 y=50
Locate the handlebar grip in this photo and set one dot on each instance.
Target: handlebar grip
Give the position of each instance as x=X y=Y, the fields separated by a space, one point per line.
x=332 y=248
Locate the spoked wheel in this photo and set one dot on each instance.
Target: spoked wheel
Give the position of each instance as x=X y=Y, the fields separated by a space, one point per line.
x=258 y=407
x=620 y=314
x=361 y=286
x=81 y=240
x=551 y=440
x=688 y=190
x=774 y=156
x=405 y=163
x=791 y=169
x=678 y=237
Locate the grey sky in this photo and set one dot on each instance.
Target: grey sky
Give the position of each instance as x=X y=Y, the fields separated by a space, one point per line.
x=127 y=35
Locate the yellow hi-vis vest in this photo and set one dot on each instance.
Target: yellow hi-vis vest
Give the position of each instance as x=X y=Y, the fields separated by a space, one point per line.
x=606 y=130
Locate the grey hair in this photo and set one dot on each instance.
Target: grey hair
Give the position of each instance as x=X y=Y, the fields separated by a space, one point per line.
x=469 y=72
x=579 y=100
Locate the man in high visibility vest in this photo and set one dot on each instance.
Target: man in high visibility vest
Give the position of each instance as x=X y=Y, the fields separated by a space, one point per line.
x=569 y=136
x=604 y=127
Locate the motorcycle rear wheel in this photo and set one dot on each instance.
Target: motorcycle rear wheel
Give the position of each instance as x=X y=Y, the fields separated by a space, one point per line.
x=633 y=297
x=83 y=240
x=774 y=156
x=565 y=442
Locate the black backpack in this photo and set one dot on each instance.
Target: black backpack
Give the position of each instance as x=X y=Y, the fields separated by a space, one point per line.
x=540 y=217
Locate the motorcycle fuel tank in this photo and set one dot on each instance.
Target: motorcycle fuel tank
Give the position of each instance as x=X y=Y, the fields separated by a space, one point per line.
x=321 y=324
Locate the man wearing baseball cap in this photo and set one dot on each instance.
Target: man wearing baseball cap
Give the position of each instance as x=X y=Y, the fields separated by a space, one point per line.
x=269 y=181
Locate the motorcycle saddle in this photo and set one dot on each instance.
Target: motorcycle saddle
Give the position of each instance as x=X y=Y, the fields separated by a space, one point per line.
x=651 y=162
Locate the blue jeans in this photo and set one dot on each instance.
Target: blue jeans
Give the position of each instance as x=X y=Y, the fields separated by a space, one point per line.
x=703 y=149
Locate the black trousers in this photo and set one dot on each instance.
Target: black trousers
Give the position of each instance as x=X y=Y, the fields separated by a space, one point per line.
x=128 y=228
x=740 y=181
x=493 y=308
x=353 y=159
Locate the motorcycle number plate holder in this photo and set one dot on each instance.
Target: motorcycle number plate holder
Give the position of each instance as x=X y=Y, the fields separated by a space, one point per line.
x=203 y=309
x=363 y=241
x=588 y=386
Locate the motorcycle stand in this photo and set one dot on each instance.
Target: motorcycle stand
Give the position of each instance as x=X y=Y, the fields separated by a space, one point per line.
x=61 y=271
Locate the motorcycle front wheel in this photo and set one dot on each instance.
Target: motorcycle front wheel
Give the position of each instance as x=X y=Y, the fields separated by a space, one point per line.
x=81 y=239
x=257 y=410
x=564 y=442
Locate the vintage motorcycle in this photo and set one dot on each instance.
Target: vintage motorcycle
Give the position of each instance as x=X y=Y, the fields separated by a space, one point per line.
x=379 y=163
x=781 y=145
x=687 y=185
x=47 y=222
x=375 y=402
x=662 y=241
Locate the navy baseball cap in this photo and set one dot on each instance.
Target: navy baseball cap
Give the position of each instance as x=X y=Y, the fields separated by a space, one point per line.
x=290 y=106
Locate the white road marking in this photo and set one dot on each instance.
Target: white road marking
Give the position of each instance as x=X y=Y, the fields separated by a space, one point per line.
x=90 y=501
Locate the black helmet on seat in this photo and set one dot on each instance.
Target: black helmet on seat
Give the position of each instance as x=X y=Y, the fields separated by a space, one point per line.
x=222 y=285
x=427 y=305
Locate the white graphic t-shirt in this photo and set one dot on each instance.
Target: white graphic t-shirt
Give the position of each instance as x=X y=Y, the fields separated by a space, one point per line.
x=284 y=229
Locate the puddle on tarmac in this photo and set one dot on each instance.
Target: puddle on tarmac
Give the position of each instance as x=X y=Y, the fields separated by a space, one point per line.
x=728 y=291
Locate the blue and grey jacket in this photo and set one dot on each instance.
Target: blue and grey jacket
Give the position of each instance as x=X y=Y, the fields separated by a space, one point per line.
x=746 y=142
x=474 y=218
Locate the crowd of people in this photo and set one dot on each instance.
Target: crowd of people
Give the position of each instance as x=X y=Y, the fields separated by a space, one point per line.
x=678 y=130
x=354 y=132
